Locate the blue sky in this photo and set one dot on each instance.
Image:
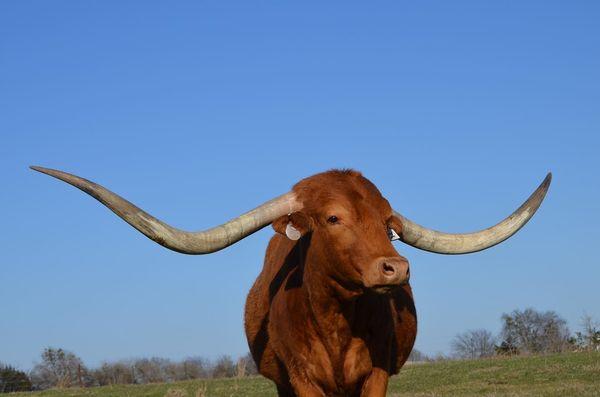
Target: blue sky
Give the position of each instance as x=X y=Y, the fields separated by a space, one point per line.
x=198 y=111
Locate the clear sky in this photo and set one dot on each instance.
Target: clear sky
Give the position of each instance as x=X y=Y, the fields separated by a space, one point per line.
x=198 y=111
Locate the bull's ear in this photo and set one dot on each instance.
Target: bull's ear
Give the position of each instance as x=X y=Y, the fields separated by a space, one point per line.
x=394 y=227
x=294 y=225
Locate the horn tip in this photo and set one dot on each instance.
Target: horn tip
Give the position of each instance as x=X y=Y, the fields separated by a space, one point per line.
x=547 y=180
x=38 y=168
x=47 y=171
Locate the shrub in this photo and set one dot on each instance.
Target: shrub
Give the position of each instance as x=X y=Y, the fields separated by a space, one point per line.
x=13 y=380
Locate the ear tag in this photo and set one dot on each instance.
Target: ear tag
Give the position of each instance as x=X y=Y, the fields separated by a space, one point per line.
x=393 y=235
x=291 y=232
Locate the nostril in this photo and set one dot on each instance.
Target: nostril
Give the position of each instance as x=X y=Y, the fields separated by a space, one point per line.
x=388 y=270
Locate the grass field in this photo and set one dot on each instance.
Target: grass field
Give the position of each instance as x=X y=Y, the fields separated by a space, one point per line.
x=569 y=374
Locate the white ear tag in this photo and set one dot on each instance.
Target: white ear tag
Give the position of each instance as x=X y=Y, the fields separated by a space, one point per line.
x=393 y=235
x=291 y=232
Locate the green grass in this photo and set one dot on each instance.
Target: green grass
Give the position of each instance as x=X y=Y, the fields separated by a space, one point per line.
x=569 y=374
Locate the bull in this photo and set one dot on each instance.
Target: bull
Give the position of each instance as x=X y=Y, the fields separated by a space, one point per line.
x=332 y=311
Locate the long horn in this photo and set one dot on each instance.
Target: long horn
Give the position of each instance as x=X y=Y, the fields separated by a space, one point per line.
x=202 y=242
x=448 y=243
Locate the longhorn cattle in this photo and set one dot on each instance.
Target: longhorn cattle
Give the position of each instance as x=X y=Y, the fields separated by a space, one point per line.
x=332 y=312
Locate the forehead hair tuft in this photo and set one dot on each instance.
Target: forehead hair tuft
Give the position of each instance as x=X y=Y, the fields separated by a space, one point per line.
x=336 y=185
x=344 y=171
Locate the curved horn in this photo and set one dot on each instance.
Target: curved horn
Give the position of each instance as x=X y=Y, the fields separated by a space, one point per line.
x=447 y=243
x=202 y=242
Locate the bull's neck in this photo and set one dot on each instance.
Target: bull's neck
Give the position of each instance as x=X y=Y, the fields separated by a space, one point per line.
x=332 y=309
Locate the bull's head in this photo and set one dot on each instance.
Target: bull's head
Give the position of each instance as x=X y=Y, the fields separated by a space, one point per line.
x=351 y=227
x=349 y=220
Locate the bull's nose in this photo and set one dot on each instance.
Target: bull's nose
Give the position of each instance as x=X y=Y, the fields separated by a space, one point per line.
x=394 y=270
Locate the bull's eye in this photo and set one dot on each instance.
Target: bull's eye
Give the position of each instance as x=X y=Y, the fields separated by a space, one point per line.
x=332 y=219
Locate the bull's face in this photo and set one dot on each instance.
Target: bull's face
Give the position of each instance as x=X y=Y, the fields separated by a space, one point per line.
x=350 y=226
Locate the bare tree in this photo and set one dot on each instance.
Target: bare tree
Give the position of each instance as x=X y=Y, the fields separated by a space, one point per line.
x=196 y=367
x=530 y=331
x=224 y=368
x=240 y=368
x=474 y=344
x=152 y=370
x=417 y=356
x=246 y=365
x=118 y=373
x=59 y=368
x=589 y=337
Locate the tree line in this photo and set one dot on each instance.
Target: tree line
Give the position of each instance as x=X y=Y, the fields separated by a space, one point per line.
x=523 y=332
x=61 y=368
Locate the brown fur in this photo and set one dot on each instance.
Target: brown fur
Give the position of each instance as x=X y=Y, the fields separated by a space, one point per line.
x=312 y=325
